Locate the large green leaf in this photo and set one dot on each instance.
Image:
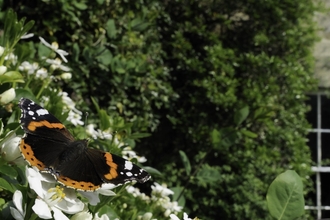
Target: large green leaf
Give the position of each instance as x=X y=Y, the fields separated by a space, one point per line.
x=285 y=198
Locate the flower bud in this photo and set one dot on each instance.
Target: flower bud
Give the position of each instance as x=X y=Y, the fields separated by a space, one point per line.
x=9 y=147
x=66 y=76
x=3 y=69
x=7 y=96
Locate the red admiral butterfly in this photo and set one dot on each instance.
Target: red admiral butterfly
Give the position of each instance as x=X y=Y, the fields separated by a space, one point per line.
x=50 y=147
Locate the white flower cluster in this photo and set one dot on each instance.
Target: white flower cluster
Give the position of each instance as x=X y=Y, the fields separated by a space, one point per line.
x=42 y=73
x=98 y=134
x=159 y=196
x=74 y=114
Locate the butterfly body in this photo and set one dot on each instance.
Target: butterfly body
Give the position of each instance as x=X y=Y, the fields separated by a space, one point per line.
x=50 y=147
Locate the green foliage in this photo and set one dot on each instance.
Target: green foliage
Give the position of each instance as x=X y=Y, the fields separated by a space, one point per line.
x=285 y=196
x=220 y=84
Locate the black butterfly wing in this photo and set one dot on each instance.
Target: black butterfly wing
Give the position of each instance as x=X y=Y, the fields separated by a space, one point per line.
x=45 y=136
x=92 y=167
x=49 y=146
x=38 y=121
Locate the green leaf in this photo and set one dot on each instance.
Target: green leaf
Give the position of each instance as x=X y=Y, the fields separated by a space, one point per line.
x=27 y=27
x=109 y=211
x=5 y=185
x=177 y=191
x=104 y=118
x=152 y=171
x=241 y=115
x=139 y=25
x=110 y=27
x=228 y=138
x=186 y=162
x=285 y=198
x=8 y=170
x=208 y=175
x=80 y=5
x=215 y=136
x=11 y=76
x=139 y=135
x=24 y=93
x=249 y=133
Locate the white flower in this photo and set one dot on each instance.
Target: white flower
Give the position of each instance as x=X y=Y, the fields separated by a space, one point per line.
x=42 y=73
x=161 y=190
x=82 y=215
x=74 y=115
x=103 y=217
x=129 y=154
x=26 y=36
x=90 y=130
x=171 y=206
x=136 y=193
x=93 y=197
x=56 y=64
x=3 y=69
x=54 y=47
x=75 y=118
x=11 y=57
x=18 y=213
x=185 y=217
x=174 y=217
x=85 y=215
x=7 y=96
x=52 y=199
x=10 y=148
x=28 y=67
x=67 y=100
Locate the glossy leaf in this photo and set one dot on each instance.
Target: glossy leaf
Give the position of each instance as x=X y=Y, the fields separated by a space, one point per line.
x=285 y=198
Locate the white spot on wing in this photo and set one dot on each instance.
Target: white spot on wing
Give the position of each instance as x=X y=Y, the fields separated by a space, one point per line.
x=129 y=174
x=30 y=112
x=42 y=112
x=128 y=165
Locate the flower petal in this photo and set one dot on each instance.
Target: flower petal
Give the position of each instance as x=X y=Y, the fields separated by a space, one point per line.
x=62 y=53
x=103 y=217
x=70 y=207
x=18 y=200
x=42 y=209
x=58 y=215
x=174 y=217
x=82 y=215
x=34 y=179
x=16 y=214
x=45 y=42
x=92 y=197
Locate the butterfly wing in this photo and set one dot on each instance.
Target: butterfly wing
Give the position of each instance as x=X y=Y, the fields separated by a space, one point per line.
x=49 y=146
x=90 y=168
x=45 y=136
x=38 y=121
